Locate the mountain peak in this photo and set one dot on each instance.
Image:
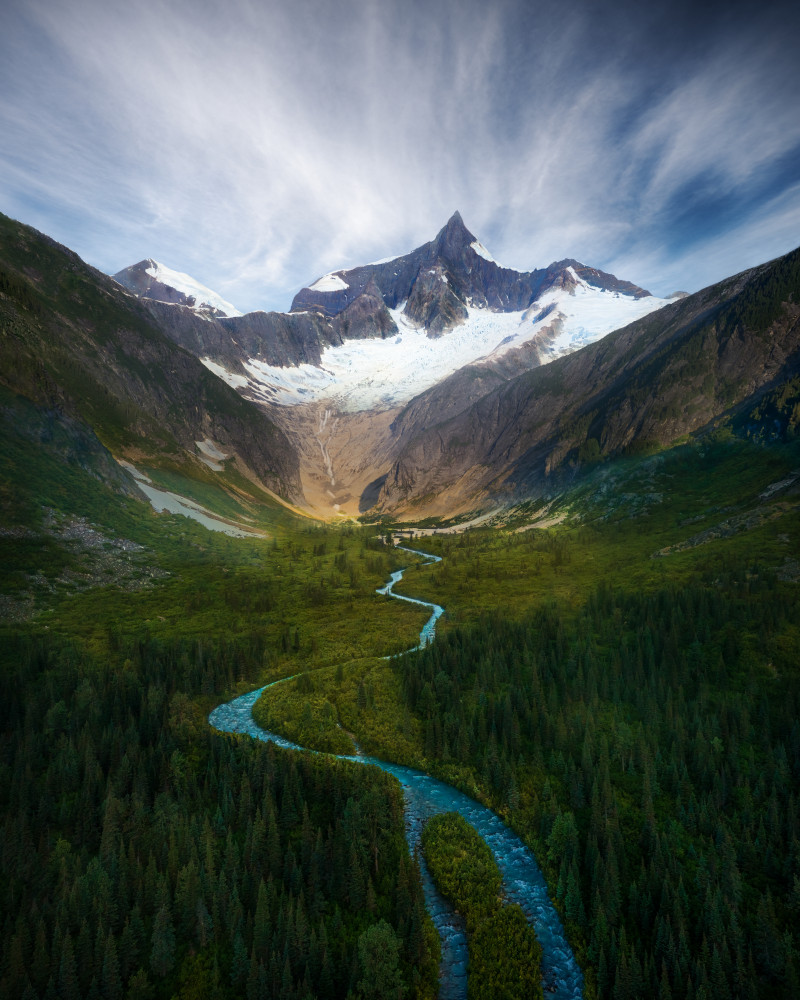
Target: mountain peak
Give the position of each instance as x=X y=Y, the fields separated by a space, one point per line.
x=152 y=280
x=451 y=241
x=455 y=227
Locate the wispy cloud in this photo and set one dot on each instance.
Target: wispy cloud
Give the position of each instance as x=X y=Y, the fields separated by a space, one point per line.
x=259 y=145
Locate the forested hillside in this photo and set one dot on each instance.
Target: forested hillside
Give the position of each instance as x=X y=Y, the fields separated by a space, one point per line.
x=144 y=855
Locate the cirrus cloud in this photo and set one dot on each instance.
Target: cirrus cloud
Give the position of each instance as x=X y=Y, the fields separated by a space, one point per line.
x=260 y=145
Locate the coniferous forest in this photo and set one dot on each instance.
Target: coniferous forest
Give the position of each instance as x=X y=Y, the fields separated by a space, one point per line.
x=144 y=855
x=649 y=749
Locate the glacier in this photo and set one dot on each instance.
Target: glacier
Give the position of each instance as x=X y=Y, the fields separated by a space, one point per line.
x=377 y=373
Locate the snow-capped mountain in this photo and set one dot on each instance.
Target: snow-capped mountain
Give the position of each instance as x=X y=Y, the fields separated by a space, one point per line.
x=400 y=326
x=150 y=280
x=430 y=332
x=375 y=336
x=437 y=283
x=380 y=373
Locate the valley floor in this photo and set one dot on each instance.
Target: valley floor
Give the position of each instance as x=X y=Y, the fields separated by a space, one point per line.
x=621 y=687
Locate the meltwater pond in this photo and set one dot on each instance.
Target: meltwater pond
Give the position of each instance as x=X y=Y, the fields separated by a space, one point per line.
x=424 y=797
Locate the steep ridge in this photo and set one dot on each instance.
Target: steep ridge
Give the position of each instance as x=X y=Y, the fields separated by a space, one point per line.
x=75 y=343
x=672 y=373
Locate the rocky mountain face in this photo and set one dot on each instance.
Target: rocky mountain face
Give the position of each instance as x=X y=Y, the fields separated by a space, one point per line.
x=75 y=344
x=437 y=281
x=707 y=356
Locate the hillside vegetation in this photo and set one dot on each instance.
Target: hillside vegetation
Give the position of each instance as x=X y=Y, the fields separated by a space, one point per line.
x=74 y=342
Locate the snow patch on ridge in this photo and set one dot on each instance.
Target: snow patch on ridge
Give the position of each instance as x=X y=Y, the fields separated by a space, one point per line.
x=329 y=283
x=211 y=454
x=481 y=251
x=584 y=314
x=174 y=503
x=188 y=286
x=383 y=260
x=234 y=381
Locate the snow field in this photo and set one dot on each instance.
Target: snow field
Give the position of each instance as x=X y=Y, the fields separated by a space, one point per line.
x=380 y=374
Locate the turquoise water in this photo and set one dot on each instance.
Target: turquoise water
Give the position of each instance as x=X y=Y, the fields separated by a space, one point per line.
x=424 y=796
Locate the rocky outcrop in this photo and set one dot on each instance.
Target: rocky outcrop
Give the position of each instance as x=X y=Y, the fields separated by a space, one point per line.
x=276 y=338
x=433 y=304
x=366 y=316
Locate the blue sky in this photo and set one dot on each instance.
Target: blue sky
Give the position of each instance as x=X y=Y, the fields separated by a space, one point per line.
x=257 y=145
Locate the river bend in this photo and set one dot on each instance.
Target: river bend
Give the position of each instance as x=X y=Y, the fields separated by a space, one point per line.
x=424 y=796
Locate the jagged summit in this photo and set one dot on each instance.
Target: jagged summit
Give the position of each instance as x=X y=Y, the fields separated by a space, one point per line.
x=454 y=251
x=457 y=245
x=437 y=283
x=454 y=236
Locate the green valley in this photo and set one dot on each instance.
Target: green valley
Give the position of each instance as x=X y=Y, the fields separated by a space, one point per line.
x=616 y=674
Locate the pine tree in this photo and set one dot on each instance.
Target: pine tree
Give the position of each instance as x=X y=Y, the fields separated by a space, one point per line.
x=111 y=981
x=68 y=984
x=162 y=954
x=139 y=987
x=378 y=962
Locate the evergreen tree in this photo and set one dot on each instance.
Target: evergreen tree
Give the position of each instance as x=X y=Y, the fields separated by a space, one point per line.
x=162 y=954
x=378 y=963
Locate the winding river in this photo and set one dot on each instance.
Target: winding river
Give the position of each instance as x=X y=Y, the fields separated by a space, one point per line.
x=424 y=797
